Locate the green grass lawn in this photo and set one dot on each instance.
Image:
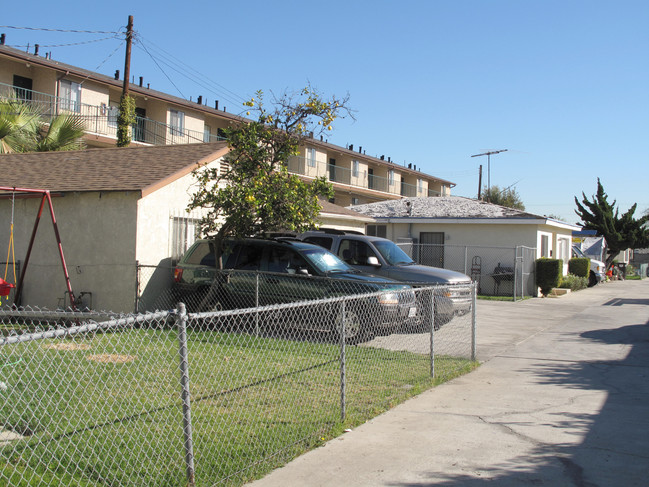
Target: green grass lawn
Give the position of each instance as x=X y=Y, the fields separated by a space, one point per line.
x=106 y=410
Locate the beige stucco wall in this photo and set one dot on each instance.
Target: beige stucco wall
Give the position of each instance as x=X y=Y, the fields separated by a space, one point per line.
x=98 y=238
x=500 y=238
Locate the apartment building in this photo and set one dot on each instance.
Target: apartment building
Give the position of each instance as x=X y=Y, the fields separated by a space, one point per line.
x=163 y=119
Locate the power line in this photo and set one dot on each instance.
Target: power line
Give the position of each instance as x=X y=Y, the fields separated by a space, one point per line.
x=181 y=68
x=59 y=30
x=67 y=45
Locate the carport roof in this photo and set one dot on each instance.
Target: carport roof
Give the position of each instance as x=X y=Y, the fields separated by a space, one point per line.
x=142 y=169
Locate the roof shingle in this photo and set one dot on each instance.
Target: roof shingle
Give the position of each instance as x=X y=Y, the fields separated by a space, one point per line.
x=112 y=169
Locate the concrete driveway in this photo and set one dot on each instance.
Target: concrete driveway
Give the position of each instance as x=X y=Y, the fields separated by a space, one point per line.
x=561 y=399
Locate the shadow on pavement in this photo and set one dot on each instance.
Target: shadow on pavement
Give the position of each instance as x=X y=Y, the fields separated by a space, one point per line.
x=615 y=448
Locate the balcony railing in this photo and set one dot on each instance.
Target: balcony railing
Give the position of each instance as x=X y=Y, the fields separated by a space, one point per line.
x=344 y=175
x=102 y=120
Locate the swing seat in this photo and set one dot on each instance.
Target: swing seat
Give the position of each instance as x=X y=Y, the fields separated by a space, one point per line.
x=5 y=287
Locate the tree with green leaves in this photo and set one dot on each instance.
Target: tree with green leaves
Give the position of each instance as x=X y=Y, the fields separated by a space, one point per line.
x=22 y=129
x=253 y=192
x=508 y=197
x=621 y=232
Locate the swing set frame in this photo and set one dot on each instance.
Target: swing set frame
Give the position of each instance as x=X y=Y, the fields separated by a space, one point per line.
x=45 y=196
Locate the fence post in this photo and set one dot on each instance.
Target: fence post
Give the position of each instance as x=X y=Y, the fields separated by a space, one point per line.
x=343 y=359
x=473 y=321
x=137 y=286
x=432 y=332
x=257 y=303
x=181 y=321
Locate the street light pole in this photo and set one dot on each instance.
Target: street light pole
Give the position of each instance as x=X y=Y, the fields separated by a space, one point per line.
x=488 y=154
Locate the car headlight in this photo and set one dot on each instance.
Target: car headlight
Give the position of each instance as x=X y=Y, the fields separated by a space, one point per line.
x=389 y=298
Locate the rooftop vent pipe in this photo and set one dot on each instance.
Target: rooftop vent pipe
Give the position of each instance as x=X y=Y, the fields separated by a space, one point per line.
x=360 y=149
x=351 y=146
x=200 y=100
x=141 y=81
x=2 y=39
x=36 y=46
x=216 y=104
x=117 y=74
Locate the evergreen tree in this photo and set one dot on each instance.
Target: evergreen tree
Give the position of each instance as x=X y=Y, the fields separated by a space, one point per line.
x=621 y=232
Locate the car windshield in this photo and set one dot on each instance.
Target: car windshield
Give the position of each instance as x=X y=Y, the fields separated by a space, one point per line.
x=577 y=251
x=325 y=262
x=392 y=253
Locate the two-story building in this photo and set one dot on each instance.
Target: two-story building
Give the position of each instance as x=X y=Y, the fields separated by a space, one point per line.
x=162 y=119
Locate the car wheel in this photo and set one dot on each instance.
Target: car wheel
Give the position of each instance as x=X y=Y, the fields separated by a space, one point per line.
x=354 y=328
x=592 y=279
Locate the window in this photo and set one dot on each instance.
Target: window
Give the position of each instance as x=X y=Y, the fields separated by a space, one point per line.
x=325 y=242
x=355 y=167
x=184 y=232
x=70 y=94
x=310 y=157
x=355 y=201
x=113 y=112
x=376 y=231
x=176 y=122
x=420 y=185
x=391 y=177
x=207 y=133
x=545 y=248
x=355 y=252
x=23 y=88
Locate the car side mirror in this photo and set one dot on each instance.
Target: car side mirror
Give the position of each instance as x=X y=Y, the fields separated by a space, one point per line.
x=304 y=271
x=373 y=261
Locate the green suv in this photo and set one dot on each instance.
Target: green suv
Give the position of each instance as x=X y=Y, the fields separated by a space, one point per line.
x=261 y=272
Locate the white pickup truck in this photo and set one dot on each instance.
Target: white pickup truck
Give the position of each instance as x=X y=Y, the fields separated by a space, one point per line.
x=597 y=267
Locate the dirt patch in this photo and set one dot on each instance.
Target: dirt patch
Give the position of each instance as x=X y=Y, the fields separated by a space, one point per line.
x=67 y=346
x=111 y=358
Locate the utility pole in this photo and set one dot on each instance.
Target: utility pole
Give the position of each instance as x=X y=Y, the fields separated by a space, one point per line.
x=127 y=60
x=488 y=154
x=126 y=116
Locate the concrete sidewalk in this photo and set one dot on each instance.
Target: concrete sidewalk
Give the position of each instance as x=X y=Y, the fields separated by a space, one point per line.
x=562 y=399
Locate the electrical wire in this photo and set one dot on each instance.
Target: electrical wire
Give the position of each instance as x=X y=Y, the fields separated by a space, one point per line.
x=59 y=30
x=162 y=70
x=181 y=68
x=17 y=46
x=179 y=61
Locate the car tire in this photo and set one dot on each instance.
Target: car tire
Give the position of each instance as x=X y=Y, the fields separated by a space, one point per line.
x=355 y=330
x=592 y=279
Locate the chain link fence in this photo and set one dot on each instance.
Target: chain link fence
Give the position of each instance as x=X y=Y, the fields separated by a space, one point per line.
x=216 y=397
x=499 y=271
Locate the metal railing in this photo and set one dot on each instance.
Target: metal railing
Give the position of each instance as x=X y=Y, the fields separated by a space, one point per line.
x=102 y=119
x=361 y=179
x=211 y=398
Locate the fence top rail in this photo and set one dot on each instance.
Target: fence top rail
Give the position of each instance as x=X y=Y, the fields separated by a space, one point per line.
x=90 y=326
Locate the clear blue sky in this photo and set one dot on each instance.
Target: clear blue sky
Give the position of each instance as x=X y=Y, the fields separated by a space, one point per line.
x=563 y=85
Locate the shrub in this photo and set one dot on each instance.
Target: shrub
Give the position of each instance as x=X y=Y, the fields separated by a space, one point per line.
x=548 y=274
x=574 y=283
x=579 y=266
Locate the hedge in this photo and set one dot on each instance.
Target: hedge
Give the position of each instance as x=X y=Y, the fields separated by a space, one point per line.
x=579 y=266
x=548 y=274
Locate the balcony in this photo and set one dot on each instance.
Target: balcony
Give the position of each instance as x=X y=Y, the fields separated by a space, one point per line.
x=340 y=175
x=102 y=120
